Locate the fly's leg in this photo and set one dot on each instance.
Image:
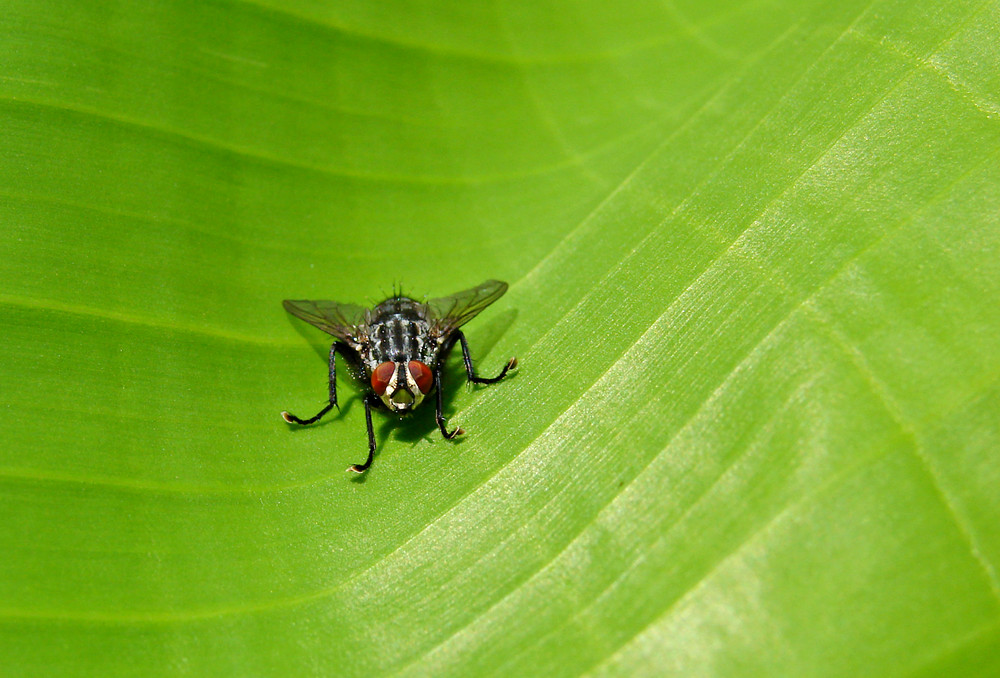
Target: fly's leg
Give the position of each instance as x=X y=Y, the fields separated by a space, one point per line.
x=459 y=336
x=473 y=377
x=361 y=468
x=440 y=405
x=292 y=419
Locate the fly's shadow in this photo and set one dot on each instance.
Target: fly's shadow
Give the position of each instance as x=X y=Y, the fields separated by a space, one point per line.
x=420 y=424
x=319 y=342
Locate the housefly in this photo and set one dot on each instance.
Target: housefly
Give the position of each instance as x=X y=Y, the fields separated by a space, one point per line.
x=397 y=349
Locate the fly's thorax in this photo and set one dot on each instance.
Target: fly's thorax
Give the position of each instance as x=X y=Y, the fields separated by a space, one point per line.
x=398 y=332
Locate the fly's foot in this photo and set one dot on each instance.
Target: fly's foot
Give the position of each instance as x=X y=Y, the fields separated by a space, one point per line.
x=292 y=419
x=448 y=435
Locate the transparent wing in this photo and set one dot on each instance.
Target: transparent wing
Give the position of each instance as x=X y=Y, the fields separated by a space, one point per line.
x=340 y=320
x=450 y=313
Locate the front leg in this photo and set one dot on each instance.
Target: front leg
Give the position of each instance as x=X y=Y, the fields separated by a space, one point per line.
x=361 y=468
x=292 y=419
x=440 y=405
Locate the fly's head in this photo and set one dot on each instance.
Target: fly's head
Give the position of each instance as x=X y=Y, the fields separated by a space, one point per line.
x=402 y=385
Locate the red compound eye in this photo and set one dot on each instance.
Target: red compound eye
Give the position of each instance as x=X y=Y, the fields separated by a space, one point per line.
x=381 y=376
x=422 y=375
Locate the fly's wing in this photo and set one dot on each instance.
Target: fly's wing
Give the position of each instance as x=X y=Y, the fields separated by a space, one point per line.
x=450 y=313
x=340 y=320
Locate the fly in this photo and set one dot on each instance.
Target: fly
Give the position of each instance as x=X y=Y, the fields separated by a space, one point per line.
x=397 y=350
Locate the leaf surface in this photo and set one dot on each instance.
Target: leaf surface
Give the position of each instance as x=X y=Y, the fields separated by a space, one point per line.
x=754 y=274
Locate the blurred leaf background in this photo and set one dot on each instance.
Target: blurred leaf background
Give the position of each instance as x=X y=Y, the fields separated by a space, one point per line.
x=753 y=255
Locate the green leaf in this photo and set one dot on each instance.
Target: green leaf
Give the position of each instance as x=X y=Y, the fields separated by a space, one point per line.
x=755 y=273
